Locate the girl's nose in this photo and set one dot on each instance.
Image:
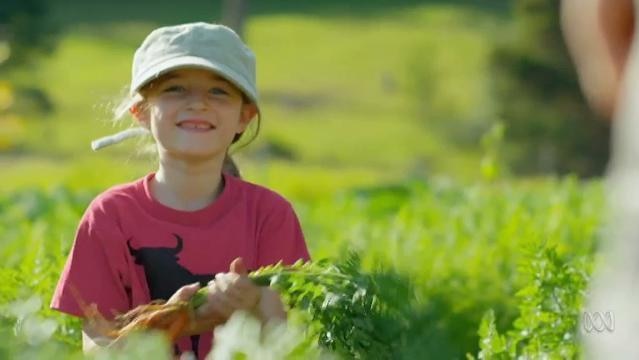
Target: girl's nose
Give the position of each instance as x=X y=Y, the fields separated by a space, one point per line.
x=197 y=99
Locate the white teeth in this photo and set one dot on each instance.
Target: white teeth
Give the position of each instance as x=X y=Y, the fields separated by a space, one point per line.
x=195 y=126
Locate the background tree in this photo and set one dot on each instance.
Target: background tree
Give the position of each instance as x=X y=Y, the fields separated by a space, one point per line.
x=25 y=31
x=25 y=35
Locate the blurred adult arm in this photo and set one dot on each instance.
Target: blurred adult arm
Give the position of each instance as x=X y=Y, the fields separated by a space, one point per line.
x=598 y=34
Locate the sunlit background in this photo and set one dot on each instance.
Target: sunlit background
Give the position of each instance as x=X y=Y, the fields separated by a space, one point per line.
x=354 y=92
x=447 y=140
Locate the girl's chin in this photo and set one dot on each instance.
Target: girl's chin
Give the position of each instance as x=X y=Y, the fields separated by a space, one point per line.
x=195 y=154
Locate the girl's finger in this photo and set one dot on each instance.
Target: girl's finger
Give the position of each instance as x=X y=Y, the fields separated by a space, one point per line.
x=184 y=293
x=238 y=267
x=222 y=282
x=221 y=305
x=245 y=296
x=230 y=277
x=239 y=291
x=235 y=296
x=230 y=280
x=217 y=303
x=243 y=283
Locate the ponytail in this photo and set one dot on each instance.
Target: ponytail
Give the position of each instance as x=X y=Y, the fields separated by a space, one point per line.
x=229 y=167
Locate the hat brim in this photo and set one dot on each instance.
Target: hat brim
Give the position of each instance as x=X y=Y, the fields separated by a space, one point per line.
x=182 y=62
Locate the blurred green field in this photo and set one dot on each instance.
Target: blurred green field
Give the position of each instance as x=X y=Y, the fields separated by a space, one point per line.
x=374 y=101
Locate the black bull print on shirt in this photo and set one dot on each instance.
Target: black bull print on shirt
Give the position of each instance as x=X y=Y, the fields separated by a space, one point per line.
x=164 y=274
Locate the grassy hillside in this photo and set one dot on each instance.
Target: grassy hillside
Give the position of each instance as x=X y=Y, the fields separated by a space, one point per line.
x=391 y=91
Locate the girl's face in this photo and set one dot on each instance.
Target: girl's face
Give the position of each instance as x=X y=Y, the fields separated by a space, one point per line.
x=194 y=114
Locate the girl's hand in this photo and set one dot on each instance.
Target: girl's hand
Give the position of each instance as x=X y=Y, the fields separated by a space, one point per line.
x=199 y=324
x=230 y=292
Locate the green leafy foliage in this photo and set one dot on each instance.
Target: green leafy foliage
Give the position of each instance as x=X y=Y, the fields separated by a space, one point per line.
x=549 y=309
x=433 y=257
x=361 y=316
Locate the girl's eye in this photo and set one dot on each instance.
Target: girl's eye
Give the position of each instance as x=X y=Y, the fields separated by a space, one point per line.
x=218 y=91
x=174 y=88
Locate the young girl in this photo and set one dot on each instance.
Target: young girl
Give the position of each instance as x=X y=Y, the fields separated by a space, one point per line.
x=189 y=224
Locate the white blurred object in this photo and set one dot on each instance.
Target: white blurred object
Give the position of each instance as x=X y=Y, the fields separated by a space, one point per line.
x=615 y=286
x=118 y=137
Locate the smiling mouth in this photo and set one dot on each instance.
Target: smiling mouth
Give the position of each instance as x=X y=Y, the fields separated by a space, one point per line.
x=195 y=125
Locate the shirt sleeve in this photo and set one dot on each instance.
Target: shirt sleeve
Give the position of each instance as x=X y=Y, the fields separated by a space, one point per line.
x=95 y=268
x=281 y=238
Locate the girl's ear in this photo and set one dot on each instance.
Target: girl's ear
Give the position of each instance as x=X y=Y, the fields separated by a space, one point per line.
x=139 y=112
x=248 y=113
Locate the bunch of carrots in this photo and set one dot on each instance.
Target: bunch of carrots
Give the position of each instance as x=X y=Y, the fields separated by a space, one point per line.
x=355 y=318
x=174 y=319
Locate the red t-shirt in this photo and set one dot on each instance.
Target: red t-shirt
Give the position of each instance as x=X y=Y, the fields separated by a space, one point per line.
x=130 y=249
